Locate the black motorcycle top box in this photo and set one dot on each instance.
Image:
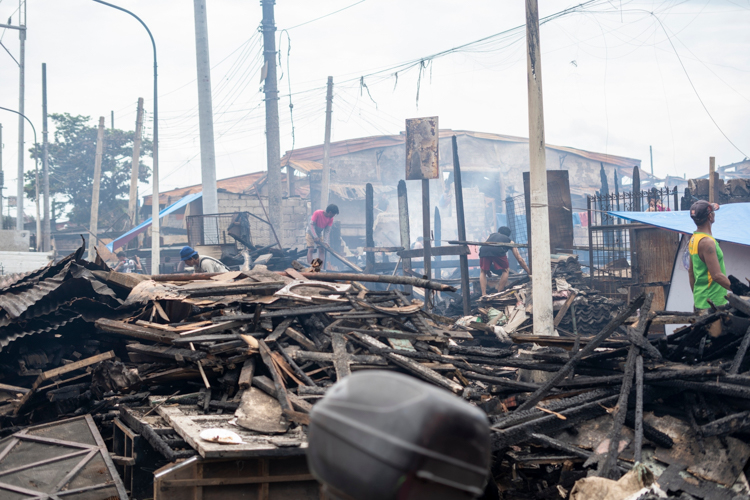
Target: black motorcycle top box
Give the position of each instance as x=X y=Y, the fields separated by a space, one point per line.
x=381 y=435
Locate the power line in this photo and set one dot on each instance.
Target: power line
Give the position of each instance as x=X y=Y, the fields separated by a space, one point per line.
x=669 y=39
x=323 y=17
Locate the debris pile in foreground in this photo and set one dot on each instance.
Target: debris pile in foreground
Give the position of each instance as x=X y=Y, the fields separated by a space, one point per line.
x=242 y=357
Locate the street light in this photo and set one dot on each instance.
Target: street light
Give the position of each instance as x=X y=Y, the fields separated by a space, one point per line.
x=19 y=195
x=155 y=258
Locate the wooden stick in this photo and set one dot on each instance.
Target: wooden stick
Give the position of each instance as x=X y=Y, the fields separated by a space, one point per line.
x=200 y=369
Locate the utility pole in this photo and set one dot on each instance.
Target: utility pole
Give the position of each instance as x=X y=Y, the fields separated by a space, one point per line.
x=21 y=91
x=326 y=182
x=542 y=275
x=95 y=194
x=47 y=229
x=2 y=178
x=651 y=154
x=112 y=120
x=273 y=147
x=205 y=111
x=711 y=179
x=135 y=164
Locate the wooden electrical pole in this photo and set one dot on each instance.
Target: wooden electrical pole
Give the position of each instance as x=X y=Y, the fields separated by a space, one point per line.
x=273 y=147
x=711 y=179
x=326 y=180
x=540 y=257
x=135 y=164
x=95 y=192
x=47 y=229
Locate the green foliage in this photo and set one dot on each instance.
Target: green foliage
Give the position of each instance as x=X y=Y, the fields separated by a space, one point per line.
x=71 y=156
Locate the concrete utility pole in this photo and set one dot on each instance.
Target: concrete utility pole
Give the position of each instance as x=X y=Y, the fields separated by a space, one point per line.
x=542 y=274
x=21 y=94
x=135 y=164
x=112 y=120
x=2 y=178
x=326 y=181
x=47 y=229
x=273 y=147
x=205 y=111
x=95 y=194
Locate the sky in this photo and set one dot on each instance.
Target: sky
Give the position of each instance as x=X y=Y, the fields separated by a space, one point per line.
x=618 y=76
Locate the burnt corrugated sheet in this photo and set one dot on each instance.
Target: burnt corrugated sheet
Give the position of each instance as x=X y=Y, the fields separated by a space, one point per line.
x=52 y=298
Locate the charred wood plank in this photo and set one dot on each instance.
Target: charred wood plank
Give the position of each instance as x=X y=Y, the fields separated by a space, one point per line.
x=281 y=395
x=379 y=278
x=279 y=330
x=588 y=349
x=727 y=425
x=739 y=303
x=737 y=361
x=416 y=368
x=246 y=374
x=165 y=352
x=138 y=332
x=573 y=450
x=297 y=370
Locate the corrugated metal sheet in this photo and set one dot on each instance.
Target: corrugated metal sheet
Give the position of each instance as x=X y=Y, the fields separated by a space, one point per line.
x=52 y=297
x=338 y=148
x=304 y=166
x=237 y=184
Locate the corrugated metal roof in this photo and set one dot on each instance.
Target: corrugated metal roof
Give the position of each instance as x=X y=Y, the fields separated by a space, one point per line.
x=339 y=148
x=304 y=166
x=237 y=184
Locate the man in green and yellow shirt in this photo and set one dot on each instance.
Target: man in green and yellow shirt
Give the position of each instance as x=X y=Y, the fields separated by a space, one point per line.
x=708 y=278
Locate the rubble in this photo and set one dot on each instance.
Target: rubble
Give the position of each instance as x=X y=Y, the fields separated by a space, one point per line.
x=157 y=363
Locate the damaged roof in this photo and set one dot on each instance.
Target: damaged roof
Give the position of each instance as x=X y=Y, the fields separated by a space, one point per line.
x=339 y=148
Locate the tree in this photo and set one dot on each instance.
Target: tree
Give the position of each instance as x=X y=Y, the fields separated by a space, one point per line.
x=71 y=157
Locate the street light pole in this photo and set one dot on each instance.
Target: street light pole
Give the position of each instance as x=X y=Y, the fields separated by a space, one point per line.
x=155 y=232
x=22 y=117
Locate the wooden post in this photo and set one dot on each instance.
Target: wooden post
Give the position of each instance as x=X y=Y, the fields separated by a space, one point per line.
x=542 y=273
x=463 y=259
x=711 y=180
x=403 y=224
x=326 y=179
x=132 y=203
x=369 y=222
x=95 y=193
x=438 y=236
x=426 y=238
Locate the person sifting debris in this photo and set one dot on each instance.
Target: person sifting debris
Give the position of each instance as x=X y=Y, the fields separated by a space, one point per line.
x=708 y=278
x=495 y=259
x=125 y=265
x=319 y=231
x=203 y=264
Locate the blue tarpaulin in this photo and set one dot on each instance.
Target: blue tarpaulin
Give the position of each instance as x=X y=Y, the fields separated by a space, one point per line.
x=125 y=238
x=732 y=222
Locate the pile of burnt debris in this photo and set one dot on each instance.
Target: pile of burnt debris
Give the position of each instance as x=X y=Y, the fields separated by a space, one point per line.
x=187 y=363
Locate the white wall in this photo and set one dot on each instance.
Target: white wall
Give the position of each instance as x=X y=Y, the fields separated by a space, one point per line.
x=23 y=262
x=736 y=261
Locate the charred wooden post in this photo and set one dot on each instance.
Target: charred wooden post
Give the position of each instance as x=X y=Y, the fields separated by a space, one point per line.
x=438 y=237
x=735 y=368
x=427 y=243
x=403 y=224
x=369 y=223
x=461 y=222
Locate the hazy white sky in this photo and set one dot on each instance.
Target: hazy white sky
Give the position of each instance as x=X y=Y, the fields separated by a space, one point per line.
x=613 y=82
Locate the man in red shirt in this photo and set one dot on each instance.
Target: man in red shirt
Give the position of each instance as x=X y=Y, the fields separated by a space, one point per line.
x=319 y=231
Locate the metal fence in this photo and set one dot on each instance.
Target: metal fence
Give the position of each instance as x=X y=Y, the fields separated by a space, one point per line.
x=610 y=246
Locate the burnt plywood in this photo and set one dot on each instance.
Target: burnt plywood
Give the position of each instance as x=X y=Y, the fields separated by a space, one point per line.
x=560 y=210
x=188 y=422
x=422 y=148
x=654 y=253
x=66 y=458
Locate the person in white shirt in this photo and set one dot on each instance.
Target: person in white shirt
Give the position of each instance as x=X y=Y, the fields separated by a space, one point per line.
x=203 y=264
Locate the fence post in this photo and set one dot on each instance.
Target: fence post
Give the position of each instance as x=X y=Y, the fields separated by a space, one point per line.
x=591 y=243
x=676 y=206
